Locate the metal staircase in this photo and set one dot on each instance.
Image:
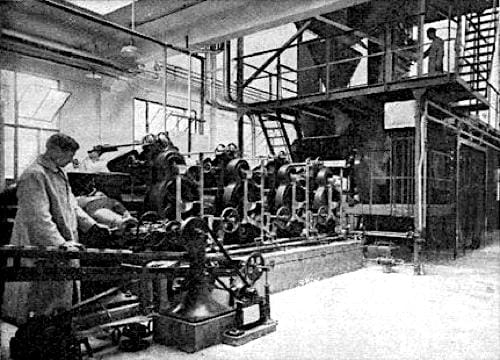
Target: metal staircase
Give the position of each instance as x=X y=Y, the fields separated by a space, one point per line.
x=273 y=127
x=477 y=58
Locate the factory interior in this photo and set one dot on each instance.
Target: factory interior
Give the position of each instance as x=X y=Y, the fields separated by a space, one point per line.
x=232 y=152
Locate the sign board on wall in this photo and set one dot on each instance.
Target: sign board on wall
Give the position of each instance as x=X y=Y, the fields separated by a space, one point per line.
x=399 y=114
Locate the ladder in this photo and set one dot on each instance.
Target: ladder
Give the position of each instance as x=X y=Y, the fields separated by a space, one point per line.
x=274 y=130
x=477 y=58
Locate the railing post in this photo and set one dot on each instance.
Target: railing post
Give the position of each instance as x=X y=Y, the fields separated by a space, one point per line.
x=279 y=93
x=328 y=56
x=449 y=38
x=421 y=23
x=388 y=53
x=458 y=45
x=270 y=86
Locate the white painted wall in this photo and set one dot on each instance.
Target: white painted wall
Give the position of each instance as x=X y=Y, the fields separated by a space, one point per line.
x=101 y=111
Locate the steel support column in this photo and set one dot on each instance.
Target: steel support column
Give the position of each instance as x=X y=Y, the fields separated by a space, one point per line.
x=2 y=149
x=421 y=23
x=420 y=166
x=239 y=92
x=165 y=116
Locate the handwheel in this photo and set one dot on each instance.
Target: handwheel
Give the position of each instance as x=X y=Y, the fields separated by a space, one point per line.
x=230 y=220
x=194 y=234
x=322 y=215
x=282 y=218
x=254 y=267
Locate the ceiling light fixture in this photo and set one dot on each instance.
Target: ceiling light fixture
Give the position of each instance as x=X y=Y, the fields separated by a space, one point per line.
x=131 y=50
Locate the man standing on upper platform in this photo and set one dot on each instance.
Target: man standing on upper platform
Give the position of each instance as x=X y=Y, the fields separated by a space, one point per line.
x=435 y=52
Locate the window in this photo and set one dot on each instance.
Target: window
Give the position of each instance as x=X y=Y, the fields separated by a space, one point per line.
x=30 y=107
x=149 y=119
x=39 y=99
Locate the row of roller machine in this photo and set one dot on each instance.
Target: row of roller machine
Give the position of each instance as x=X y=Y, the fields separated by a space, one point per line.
x=189 y=201
x=274 y=200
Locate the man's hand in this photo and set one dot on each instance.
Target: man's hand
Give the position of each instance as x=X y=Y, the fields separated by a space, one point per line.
x=72 y=246
x=100 y=231
x=98 y=236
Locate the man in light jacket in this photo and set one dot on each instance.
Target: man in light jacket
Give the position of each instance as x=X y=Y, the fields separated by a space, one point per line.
x=47 y=215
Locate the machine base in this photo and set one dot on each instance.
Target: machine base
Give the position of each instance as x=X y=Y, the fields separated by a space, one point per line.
x=189 y=336
x=249 y=335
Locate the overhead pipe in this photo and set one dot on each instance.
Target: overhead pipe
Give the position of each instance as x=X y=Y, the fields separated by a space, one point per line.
x=226 y=103
x=165 y=88
x=58 y=48
x=227 y=73
x=202 y=96
x=57 y=61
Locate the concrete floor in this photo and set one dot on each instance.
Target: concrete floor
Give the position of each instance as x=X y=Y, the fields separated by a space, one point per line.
x=453 y=312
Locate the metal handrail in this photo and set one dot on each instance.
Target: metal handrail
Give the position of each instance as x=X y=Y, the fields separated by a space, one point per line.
x=395 y=51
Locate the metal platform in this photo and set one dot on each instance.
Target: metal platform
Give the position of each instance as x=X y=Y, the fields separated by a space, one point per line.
x=449 y=85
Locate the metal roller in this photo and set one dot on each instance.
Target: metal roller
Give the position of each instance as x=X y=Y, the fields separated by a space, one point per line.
x=285 y=172
x=323 y=175
x=236 y=169
x=167 y=200
x=320 y=198
x=169 y=158
x=282 y=217
x=232 y=147
x=220 y=149
x=284 y=195
x=233 y=194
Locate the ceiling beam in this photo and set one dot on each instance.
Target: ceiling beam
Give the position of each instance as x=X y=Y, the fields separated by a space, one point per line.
x=349 y=29
x=212 y=22
x=103 y=21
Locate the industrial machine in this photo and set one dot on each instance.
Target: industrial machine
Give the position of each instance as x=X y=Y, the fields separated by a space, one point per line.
x=191 y=301
x=199 y=216
x=276 y=199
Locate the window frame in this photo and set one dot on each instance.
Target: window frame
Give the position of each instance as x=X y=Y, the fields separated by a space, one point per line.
x=45 y=128
x=198 y=127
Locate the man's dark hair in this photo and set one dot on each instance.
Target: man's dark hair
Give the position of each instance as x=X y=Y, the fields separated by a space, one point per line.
x=431 y=30
x=63 y=142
